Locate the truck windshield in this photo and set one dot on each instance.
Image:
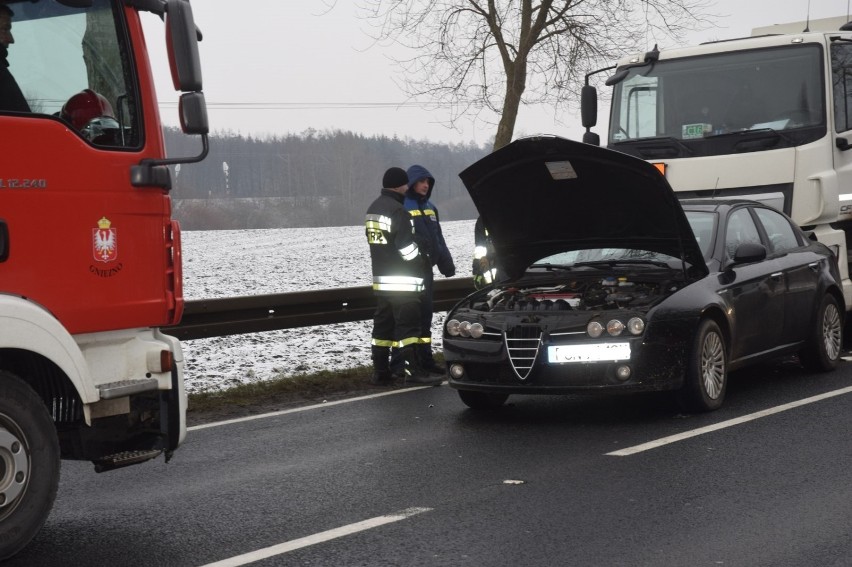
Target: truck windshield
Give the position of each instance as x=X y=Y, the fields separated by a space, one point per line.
x=72 y=64
x=723 y=103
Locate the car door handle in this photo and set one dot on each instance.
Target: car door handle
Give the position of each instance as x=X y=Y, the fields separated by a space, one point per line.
x=814 y=266
x=776 y=275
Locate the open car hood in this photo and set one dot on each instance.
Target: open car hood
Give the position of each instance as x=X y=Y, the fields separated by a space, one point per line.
x=543 y=195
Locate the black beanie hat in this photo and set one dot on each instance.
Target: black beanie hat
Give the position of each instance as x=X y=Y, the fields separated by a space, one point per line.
x=395 y=177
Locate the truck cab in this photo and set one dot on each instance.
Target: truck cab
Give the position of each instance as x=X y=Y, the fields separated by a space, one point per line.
x=768 y=117
x=90 y=257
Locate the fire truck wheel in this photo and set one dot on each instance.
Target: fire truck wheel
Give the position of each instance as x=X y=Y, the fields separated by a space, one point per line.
x=29 y=464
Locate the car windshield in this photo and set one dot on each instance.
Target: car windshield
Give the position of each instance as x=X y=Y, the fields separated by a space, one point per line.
x=603 y=256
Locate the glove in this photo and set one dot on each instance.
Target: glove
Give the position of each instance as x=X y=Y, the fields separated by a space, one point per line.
x=449 y=271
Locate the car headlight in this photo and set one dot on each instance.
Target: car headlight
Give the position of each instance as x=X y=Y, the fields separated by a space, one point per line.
x=465 y=329
x=594 y=329
x=636 y=325
x=615 y=327
x=453 y=327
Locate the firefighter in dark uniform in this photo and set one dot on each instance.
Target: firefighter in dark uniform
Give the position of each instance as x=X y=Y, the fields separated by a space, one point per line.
x=398 y=270
x=483 y=256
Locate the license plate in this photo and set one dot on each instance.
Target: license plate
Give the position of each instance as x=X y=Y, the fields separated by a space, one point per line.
x=597 y=352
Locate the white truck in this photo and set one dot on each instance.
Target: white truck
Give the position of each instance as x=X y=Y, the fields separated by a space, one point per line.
x=768 y=117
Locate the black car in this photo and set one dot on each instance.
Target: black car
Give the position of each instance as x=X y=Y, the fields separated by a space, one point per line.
x=607 y=283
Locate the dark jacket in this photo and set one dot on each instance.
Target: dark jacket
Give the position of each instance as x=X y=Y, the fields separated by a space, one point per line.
x=427 y=226
x=11 y=97
x=395 y=257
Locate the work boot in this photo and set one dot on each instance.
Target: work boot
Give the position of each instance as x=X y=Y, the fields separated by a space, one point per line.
x=381 y=371
x=424 y=355
x=381 y=378
x=415 y=373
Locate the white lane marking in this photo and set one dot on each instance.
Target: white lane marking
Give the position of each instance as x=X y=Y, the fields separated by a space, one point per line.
x=730 y=423
x=305 y=408
x=274 y=550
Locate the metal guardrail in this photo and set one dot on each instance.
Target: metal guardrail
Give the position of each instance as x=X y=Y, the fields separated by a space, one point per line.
x=257 y=313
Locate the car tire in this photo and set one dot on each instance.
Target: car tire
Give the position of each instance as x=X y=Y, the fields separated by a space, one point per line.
x=821 y=352
x=482 y=400
x=706 y=379
x=29 y=464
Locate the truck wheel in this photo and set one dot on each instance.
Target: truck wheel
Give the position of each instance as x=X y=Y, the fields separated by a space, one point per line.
x=822 y=350
x=706 y=377
x=29 y=464
x=482 y=400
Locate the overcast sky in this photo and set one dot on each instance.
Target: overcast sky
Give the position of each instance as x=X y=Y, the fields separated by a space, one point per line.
x=278 y=67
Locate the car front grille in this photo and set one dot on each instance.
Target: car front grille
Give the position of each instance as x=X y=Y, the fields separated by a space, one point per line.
x=522 y=345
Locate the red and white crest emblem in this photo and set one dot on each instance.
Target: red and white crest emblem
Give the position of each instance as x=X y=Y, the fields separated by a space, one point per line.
x=104 y=241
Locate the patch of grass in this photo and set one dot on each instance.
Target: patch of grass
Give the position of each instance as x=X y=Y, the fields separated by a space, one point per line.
x=285 y=391
x=301 y=387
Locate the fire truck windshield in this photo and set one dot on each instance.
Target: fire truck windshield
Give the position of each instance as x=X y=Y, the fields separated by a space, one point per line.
x=729 y=102
x=72 y=64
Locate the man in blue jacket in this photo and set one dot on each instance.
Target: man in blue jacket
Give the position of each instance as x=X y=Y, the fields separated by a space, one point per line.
x=430 y=239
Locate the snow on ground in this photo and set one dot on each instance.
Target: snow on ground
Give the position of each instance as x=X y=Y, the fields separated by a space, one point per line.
x=231 y=263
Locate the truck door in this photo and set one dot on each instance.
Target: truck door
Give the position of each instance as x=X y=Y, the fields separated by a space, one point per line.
x=841 y=88
x=82 y=241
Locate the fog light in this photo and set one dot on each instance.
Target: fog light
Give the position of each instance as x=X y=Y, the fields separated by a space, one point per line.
x=636 y=325
x=615 y=327
x=456 y=371
x=594 y=329
x=453 y=328
x=623 y=372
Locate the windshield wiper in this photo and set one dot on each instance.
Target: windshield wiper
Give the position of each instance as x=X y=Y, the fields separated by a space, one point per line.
x=659 y=147
x=754 y=140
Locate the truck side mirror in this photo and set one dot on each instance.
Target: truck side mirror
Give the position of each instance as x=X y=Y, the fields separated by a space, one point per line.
x=589 y=106
x=591 y=138
x=193 y=114
x=182 y=45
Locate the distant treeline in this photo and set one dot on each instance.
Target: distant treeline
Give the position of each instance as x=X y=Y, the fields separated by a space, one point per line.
x=310 y=179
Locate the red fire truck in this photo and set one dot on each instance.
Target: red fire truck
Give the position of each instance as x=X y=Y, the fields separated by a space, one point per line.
x=90 y=263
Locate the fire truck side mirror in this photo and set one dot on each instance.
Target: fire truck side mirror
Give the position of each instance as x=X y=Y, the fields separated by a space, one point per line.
x=182 y=44
x=193 y=114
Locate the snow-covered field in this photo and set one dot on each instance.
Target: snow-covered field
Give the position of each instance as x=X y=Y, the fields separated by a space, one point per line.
x=230 y=263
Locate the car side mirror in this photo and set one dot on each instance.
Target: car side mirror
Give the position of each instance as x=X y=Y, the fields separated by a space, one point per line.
x=749 y=252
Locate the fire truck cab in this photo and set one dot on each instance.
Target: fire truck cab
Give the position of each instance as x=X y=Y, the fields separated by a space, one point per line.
x=90 y=264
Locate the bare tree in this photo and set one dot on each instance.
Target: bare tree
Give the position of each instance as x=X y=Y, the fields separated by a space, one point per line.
x=477 y=55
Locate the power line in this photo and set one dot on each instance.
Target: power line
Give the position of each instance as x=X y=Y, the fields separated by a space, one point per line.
x=310 y=105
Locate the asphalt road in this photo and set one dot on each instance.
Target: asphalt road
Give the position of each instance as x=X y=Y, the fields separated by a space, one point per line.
x=415 y=478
